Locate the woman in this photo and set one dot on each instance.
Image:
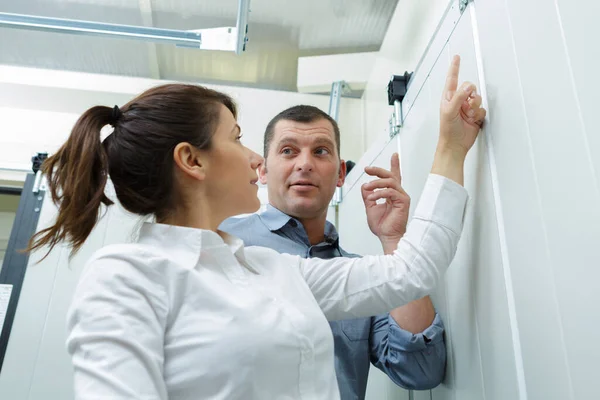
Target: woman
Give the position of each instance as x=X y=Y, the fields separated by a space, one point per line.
x=187 y=312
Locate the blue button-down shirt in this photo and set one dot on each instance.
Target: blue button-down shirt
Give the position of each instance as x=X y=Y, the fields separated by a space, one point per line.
x=411 y=361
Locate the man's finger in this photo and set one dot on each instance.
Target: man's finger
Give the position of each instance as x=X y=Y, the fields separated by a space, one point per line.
x=452 y=78
x=391 y=194
x=365 y=195
x=391 y=183
x=379 y=172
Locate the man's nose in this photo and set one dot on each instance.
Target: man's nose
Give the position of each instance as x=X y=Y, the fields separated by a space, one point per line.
x=304 y=162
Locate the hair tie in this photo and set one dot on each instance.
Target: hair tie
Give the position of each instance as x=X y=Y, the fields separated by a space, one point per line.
x=115 y=115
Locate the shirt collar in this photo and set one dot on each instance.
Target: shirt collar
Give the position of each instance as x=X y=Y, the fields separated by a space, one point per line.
x=185 y=244
x=275 y=219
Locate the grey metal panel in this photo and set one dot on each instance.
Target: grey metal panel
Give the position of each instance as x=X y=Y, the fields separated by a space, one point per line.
x=23 y=351
x=15 y=262
x=15 y=267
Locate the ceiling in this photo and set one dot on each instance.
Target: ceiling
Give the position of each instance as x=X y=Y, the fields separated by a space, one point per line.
x=279 y=32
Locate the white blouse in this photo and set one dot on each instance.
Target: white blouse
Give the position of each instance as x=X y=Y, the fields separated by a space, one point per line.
x=186 y=314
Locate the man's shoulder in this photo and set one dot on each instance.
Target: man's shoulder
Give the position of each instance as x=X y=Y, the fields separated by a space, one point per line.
x=245 y=228
x=238 y=225
x=344 y=253
x=235 y=223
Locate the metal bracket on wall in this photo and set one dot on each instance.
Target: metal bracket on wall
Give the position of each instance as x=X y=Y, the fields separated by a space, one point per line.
x=462 y=5
x=396 y=90
x=37 y=162
x=338 y=89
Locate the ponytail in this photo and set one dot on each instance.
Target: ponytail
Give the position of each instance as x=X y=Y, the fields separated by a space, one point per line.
x=77 y=176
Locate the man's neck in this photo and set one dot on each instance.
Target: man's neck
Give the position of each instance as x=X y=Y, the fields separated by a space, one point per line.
x=315 y=229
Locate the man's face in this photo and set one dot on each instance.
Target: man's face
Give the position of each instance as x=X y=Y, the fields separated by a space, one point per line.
x=302 y=168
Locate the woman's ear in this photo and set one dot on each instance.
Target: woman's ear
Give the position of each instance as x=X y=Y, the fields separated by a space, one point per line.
x=190 y=161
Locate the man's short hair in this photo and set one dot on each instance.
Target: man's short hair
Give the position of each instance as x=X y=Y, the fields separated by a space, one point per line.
x=301 y=113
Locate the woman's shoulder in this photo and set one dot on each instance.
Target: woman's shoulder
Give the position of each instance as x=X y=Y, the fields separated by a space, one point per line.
x=134 y=253
x=130 y=261
x=123 y=277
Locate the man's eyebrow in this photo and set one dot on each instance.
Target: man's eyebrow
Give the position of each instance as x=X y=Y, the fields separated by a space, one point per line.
x=287 y=140
x=293 y=140
x=324 y=141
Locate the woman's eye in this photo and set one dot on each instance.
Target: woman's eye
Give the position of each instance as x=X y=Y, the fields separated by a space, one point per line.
x=239 y=137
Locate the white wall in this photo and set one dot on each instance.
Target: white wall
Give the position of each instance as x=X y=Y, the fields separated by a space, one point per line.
x=544 y=99
x=520 y=301
x=317 y=73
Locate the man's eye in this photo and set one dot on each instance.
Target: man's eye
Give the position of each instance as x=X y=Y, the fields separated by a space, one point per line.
x=322 y=151
x=286 y=151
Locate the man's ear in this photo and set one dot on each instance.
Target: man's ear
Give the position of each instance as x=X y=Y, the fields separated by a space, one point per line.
x=190 y=161
x=262 y=172
x=342 y=174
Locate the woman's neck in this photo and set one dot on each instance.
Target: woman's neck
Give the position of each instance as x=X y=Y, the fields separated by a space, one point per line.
x=199 y=217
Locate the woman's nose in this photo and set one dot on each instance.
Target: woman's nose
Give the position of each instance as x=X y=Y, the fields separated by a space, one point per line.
x=256 y=160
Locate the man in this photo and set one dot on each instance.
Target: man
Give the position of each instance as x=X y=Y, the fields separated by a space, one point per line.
x=302 y=169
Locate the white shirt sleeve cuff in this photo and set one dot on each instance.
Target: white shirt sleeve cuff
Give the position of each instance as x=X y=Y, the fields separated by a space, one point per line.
x=443 y=201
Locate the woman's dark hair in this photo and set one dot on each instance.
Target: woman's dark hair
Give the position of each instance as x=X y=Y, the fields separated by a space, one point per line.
x=137 y=156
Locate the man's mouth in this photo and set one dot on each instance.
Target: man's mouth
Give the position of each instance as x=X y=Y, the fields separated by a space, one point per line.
x=303 y=183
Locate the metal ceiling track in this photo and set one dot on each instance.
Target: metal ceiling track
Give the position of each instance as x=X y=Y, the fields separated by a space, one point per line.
x=225 y=38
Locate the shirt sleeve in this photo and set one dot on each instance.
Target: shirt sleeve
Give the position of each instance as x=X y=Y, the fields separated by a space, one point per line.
x=412 y=361
x=361 y=287
x=115 y=330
